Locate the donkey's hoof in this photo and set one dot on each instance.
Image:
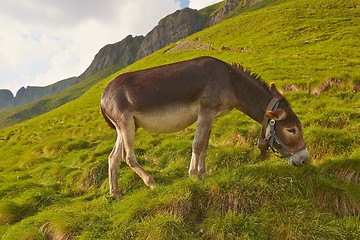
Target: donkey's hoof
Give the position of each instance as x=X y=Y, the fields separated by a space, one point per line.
x=193 y=173
x=202 y=175
x=151 y=186
x=115 y=194
x=150 y=182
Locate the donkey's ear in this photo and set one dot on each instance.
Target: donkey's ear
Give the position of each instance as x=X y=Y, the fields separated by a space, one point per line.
x=278 y=114
x=275 y=92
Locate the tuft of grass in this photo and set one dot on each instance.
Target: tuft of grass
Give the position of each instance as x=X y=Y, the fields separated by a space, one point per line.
x=10 y=212
x=231 y=226
x=163 y=226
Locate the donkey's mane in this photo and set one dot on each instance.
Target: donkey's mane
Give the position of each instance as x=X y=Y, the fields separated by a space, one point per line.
x=253 y=76
x=240 y=68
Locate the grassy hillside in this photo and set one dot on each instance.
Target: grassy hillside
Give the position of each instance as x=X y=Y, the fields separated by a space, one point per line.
x=53 y=168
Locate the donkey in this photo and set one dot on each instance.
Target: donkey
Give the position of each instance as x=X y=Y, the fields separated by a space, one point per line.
x=170 y=98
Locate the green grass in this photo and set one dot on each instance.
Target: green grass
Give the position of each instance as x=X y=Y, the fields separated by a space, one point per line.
x=53 y=168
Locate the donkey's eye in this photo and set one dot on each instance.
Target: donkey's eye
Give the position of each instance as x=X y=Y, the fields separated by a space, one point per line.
x=291 y=130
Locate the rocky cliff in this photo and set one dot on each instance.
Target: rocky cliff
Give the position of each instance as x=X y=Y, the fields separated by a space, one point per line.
x=172 y=28
x=123 y=53
x=29 y=94
x=6 y=98
x=230 y=6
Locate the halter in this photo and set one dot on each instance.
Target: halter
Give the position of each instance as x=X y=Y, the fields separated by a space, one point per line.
x=268 y=134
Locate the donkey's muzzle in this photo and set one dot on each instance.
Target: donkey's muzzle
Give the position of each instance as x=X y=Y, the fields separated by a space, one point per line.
x=299 y=158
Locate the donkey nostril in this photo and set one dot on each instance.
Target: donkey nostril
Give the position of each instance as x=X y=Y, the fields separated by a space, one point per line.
x=302 y=160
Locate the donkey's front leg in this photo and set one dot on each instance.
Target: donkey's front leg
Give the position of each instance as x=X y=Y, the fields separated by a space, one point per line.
x=200 y=143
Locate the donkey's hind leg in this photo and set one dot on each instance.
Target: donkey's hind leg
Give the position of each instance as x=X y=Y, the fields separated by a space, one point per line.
x=114 y=160
x=128 y=132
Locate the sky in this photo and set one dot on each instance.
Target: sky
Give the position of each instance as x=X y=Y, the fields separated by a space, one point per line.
x=45 y=41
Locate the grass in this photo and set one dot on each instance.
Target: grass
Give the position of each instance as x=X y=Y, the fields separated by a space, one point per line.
x=53 y=168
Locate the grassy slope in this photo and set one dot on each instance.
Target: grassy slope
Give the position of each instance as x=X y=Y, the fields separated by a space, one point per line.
x=53 y=169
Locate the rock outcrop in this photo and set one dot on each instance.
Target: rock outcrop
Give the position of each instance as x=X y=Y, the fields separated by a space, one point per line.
x=172 y=28
x=6 y=98
x=123 y=52
x=229 y=5
x=29 y=94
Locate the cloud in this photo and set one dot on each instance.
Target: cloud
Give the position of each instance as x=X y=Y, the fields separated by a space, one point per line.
x=44 y=41
x=54 y=13
x=199 y=4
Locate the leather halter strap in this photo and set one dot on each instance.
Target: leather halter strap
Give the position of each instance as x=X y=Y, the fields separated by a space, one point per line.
x=267 y=141
x=265 y=121
x=263 y=143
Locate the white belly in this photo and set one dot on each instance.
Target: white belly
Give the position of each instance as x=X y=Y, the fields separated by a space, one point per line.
x=168 y=119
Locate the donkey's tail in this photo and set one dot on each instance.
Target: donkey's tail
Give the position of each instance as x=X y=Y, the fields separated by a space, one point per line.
x=106 y=118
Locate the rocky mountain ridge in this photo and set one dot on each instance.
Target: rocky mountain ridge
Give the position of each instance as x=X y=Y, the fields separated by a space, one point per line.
x=172 y=28
x=29 y=94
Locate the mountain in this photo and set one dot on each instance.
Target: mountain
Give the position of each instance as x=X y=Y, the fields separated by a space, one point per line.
x=29 y=94
x=172 y=28
x=122 y=53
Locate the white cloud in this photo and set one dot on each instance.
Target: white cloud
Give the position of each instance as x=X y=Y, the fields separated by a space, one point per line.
x=44 y=41
x=199 y=4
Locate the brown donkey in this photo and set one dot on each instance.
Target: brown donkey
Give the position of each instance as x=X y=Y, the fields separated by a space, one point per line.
x=170 y=98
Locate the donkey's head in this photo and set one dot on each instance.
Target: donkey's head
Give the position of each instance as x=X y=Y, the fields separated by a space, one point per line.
x=282 y=131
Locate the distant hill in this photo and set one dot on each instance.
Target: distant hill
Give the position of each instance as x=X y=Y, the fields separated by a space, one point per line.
x=29 y=94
